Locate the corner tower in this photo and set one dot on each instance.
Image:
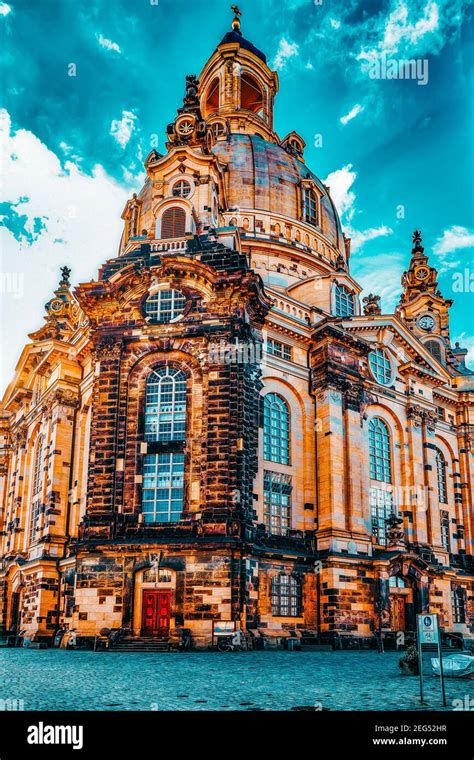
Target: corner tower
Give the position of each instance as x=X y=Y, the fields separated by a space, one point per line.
x=422 y=306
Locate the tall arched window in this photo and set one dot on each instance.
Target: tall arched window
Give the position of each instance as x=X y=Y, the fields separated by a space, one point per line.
x=276 y=429
x=212 y=97
x=379 y=450
x=380 y=468
x=36 y=490
x=251 y=97
x=310 y=206
x=165 y=433
x=173 y=222
x=435 y=349
x=343 y=301
x=441 y=475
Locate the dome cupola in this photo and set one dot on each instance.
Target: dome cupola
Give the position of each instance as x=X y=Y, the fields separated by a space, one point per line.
x=236 y=87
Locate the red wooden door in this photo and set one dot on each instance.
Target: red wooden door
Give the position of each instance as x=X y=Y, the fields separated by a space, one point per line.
x=156 y=613
x=397 y=604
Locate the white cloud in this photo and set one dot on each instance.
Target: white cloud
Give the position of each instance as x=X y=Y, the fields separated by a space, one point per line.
x=339 y=183
x=122 y=129
x=355 y=111
x=81 y=227
x=360 y=237
x=404 y=35
x=286 y=50
x=453 y=239
x=381 y=277
x=108 y=44
x=5 y=9
x=399 y=29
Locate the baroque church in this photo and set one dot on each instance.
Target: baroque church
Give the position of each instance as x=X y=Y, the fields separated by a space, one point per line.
x=217 y=433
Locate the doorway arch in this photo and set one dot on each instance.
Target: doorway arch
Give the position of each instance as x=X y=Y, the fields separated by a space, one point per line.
x=154 y=601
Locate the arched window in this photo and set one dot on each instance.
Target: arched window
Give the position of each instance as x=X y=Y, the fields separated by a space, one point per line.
x=310 y=206
x=165 y=405
x=380 y=366
x=434 y=347
x=219 y=128
x=251 y=97
x=286 y=596
x=38 y=466
x=276 y=429
x=441 y=475
x=343 y=301
x=165 y=433
x=37 y=483
x=164 y=306
x=173 y=222
x=212 y=97
x=380 y=468
x=379 y=451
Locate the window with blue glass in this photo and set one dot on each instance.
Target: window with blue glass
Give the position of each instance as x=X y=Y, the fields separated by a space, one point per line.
x=165 y=433
x=276 y=429
x=380 y=366
x=343 y=301
x=164 y=306
x=380 y=469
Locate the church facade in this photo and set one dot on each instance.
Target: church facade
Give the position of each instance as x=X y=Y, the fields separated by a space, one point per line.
x=217 y=431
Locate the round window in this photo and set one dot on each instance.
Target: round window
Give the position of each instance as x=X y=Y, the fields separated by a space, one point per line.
x=380 y=366
x=181 y=189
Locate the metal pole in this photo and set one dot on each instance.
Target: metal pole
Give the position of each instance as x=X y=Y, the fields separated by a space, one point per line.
x=441 y=671
x=420 y=659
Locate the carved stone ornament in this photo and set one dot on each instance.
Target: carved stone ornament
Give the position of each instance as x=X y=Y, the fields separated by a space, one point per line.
x=372 y=304
x=415 y=414
x=395 y=532
x=430 y=417
x=20 y=436
x=108 y=348
x=66 y=398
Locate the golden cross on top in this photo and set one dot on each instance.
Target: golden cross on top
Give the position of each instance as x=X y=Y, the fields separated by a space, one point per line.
x=235 y=9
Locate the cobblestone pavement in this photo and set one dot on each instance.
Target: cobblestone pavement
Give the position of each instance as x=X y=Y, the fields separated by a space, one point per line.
x=65 y=680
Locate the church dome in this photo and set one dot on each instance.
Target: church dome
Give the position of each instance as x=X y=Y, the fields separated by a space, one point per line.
x=262 y=175
x=236 y=36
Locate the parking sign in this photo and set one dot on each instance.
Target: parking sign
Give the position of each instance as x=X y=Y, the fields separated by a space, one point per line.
x=428 y=629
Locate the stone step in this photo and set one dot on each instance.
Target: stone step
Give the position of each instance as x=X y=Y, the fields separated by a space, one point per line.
x=141 y=644
x=140 y=649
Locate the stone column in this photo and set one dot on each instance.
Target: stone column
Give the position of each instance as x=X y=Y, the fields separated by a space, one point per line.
x=63 y=407
x=431 y=481
x=331 y=461
x=102 y=458
x=357 y=465
x=415 y=470
x=465 y=497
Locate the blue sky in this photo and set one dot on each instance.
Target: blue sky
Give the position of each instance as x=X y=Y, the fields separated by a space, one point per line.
x=396 y=154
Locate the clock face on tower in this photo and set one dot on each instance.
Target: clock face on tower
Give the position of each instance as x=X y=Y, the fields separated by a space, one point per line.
x=426 y=322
